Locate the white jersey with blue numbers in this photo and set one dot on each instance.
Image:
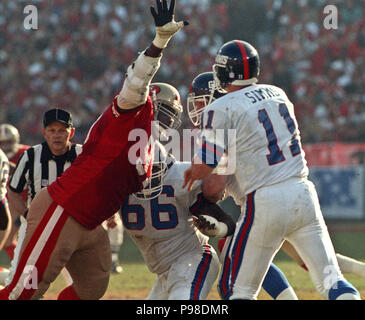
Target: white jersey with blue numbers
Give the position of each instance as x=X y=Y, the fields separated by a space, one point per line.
x=163 y=228
x=260 y=133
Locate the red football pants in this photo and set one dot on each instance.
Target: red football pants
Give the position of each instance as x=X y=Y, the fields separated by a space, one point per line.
x=55 y=240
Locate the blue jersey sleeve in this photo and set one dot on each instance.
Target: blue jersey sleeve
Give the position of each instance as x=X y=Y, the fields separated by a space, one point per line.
x=213 y=137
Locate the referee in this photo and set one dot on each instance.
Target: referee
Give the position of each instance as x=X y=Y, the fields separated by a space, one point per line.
x=41 y=164
x=38 y=167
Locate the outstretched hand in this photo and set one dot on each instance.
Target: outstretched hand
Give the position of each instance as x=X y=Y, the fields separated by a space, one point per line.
x=166 y=26
x=163 y=14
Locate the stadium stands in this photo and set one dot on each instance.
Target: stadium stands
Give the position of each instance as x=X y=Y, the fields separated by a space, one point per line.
x=76 y=58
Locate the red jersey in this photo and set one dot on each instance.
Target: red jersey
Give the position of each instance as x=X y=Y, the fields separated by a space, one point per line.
x=93 y=188
x=21 y=149
x=13 y=162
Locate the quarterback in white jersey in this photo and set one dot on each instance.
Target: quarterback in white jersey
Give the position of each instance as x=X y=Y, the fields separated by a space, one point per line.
x=263 y=156
x=279 y=202
x=162 y=228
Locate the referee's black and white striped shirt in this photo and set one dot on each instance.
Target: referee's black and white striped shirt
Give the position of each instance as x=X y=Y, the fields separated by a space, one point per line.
x=38 y=167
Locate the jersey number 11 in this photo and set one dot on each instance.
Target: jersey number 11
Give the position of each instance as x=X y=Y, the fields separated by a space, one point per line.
x=276 y=155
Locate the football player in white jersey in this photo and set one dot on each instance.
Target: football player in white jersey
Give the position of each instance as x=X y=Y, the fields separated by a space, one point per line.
x=5 y=218
x=159 y=220
x=203 y=91
x=280 y=203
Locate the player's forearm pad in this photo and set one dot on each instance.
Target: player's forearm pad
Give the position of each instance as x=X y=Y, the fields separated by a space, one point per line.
x=138 y=78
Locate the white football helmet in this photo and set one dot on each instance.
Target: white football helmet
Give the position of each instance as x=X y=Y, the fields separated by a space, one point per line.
x=167 y=105
x=9 y=139
x=153 y=186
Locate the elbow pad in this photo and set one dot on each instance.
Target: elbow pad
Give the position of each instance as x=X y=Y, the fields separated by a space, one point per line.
x=136 y=84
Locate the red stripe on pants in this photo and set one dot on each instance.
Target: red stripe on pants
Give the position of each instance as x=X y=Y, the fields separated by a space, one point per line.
x=202 y=271
x=238 y=254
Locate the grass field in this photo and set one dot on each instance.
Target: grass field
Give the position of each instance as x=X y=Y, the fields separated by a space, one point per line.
x=136 y=281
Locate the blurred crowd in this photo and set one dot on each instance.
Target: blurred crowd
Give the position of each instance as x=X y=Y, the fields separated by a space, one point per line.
x=322 y=69
x=77 y=57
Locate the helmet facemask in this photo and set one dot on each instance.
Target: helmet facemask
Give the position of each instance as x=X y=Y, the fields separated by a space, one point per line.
x=167 y=116
x=221 y=76
x=153 y=186
x=224 y=75
x=167 y=108
x=196 y=105
x=204 y=90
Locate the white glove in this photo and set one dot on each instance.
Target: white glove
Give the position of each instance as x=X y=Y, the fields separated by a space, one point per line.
x=210 y=226
x=166 y=32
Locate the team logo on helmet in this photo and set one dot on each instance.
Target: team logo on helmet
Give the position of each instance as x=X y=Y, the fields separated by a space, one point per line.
x=211 y=85
x=154 y=89
x=203 y=91
x=220 y=59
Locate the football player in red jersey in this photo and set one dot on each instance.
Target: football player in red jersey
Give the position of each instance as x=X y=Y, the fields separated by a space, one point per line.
x=64 y=219
x=9 y=143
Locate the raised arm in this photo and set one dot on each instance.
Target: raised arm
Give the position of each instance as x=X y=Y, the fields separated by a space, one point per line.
x=140 y=73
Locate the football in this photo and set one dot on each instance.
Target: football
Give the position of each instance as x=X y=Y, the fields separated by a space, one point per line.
x=214 y=228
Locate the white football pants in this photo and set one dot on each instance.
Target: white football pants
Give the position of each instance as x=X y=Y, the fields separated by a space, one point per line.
x=288 y=210
x=189 y=278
